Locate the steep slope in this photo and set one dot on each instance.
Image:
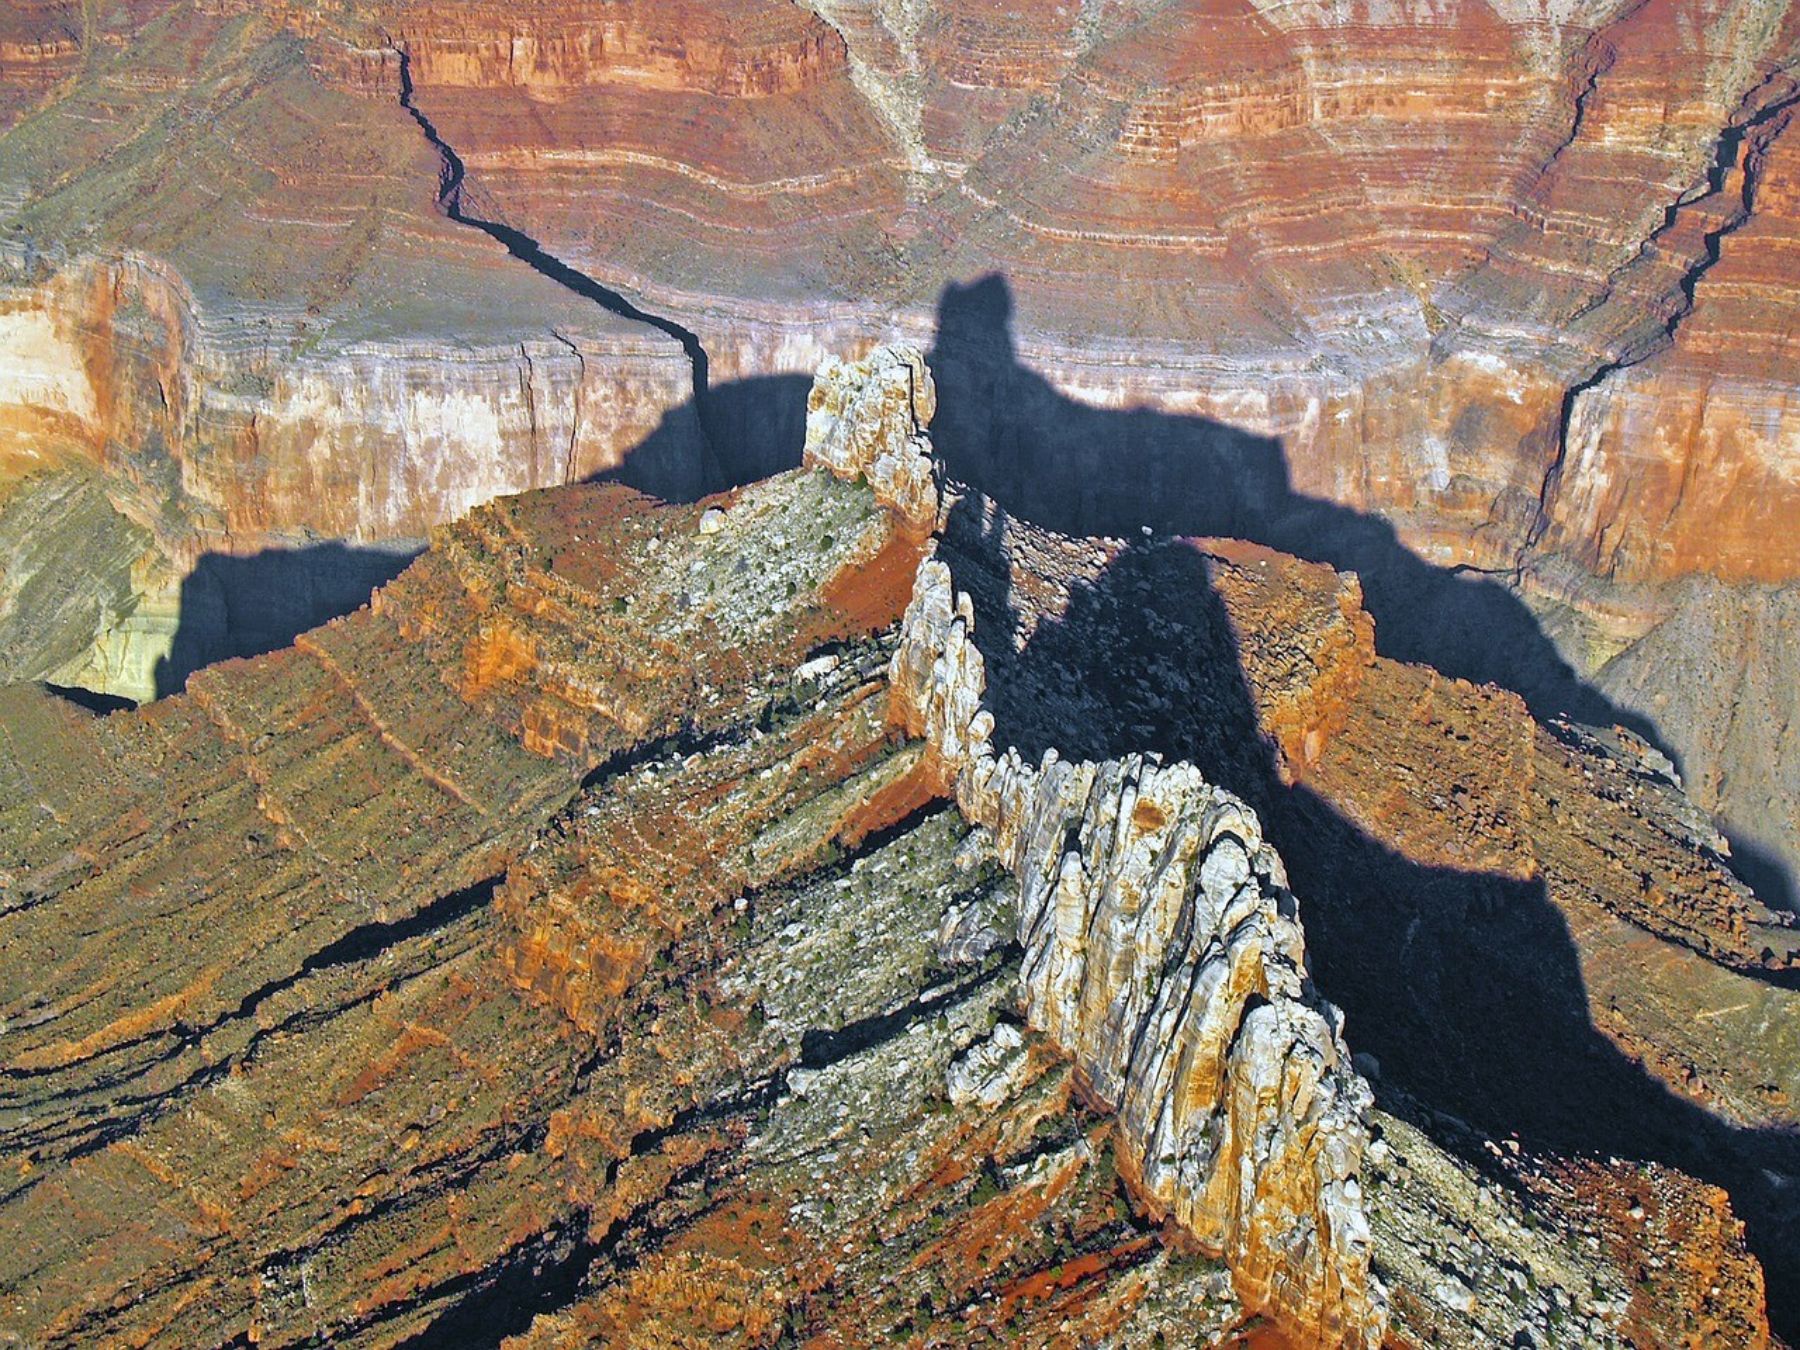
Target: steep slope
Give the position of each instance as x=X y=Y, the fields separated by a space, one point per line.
x=576 y=945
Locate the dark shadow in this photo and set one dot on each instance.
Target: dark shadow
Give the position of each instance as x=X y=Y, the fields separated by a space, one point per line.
x=759 y=426
x=454 y=198
x=101 y=705
x=1465 y=986
x=1079 y=470
x=1763 y=871
x=245 y=606
x=1006 y=431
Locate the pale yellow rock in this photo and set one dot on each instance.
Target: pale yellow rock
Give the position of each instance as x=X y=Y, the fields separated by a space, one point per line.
x=1163 y=951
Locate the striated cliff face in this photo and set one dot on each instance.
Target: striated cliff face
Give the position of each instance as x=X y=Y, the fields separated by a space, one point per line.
x=1451 y=292
x=624 y=931
x=1389 y=255
x=392 y=371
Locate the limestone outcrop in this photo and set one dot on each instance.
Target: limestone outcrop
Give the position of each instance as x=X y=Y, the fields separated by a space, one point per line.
x=1162 y=951
x=866 y=419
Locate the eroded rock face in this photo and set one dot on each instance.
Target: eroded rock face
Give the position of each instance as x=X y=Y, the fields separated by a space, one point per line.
x=1163 y=953
x=866 y=420
x=1390 y=254
x=574 y=946
x=1504 y=294
x=1634 y=952
x=395 y=370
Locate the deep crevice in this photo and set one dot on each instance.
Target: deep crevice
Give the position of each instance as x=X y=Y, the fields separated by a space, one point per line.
x=1726 y=151
x=452 y=176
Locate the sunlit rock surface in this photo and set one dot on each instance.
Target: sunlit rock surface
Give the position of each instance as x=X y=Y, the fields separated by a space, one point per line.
x=576 y=945
x=1512 y=283
x=1516 y=284
x=228 y=288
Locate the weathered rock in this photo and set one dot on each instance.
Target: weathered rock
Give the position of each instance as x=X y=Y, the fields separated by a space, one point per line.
x=1518 y=291
x=866 y=419
x=395 y=370
x=730 y=1037
x=1163 y=954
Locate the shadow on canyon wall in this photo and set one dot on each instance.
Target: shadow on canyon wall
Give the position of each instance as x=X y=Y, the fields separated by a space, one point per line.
x=245 y=606
x=1045 y=458
x=1762 y=870
x=758 y=428
x=1007 y=432
x=101 y=705
x=1076 y=469
x=1465 y=986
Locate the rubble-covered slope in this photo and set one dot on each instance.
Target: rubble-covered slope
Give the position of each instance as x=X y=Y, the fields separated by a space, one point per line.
x=581 y=944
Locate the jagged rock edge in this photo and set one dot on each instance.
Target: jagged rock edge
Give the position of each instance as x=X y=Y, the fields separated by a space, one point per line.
x=1162 y=948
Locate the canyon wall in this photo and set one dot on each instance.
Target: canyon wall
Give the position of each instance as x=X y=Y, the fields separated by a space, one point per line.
x=293 y=345
x=575 y=945
x=1394 y=255
x=1453 y=292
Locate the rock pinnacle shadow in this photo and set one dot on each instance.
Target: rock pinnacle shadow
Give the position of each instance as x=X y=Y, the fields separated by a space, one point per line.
x=1081 y=470
x=1144 y=658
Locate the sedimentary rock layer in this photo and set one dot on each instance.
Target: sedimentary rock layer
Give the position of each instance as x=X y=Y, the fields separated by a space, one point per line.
x=1417 y=265
x=1516 y=289
x=573 y=946
x=393 y=370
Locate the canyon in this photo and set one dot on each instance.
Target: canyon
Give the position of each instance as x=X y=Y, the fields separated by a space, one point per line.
x=1381 y=269
x=679 y=963
x=1110 y=672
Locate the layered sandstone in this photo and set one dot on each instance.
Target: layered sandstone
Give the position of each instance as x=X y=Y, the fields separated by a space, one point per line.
x=395 y=370
x=574 y=946
x=1394 y=251
x=1631 y=949
x=1515 y=290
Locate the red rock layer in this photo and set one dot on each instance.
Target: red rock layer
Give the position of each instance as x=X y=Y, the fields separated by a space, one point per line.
x=1394 y=245
x=395 y=369
x=1687 y=462
x=40 y=45
x=681 y=144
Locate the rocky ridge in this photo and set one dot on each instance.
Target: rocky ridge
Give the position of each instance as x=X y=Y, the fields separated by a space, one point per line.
x=1162 y=952
x=729 y=1037
x=1160 y=945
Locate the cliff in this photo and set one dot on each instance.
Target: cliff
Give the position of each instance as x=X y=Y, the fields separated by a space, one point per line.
x=395 y=369
x=580 y=943
x=1388 y=262
x=1495 y=313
